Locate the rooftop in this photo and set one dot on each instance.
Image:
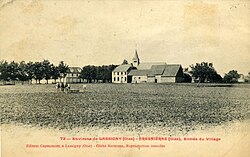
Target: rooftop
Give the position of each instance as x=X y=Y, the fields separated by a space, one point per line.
x=75 y=69
x=157 y=70
x=171 y=70
x=148 y=65
x=138 y=72
x=122 y=68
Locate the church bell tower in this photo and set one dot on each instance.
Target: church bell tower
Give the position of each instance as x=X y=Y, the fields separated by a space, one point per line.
x=135 y=60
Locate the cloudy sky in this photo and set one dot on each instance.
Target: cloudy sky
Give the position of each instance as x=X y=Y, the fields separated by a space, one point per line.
x=106 y=32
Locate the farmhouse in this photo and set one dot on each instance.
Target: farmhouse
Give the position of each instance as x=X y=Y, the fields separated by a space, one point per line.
x=136 y=72
x=73 y=75
x=120 y=74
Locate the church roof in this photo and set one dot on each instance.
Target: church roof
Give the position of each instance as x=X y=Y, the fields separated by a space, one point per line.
x=122 y=68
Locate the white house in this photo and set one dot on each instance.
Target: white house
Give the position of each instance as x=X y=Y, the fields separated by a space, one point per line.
x=73 y=75
x=120 y=74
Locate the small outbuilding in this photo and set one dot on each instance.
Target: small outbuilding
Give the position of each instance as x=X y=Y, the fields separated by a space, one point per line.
x=139 y=76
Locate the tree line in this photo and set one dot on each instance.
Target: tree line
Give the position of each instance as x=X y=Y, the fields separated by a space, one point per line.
x=205 y=72
x=94 y=74
x=22 y=71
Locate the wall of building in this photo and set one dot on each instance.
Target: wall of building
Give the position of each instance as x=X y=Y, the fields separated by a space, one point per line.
x=119 y=77
x=139 y=79
x=179 y=79
x=73 y=80
x=158 y=78
x=179 y=76
x=151 y=79
x=155 y=79
x=168 y=79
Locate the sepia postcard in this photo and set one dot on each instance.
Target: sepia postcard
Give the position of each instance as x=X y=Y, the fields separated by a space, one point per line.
x=125 y=78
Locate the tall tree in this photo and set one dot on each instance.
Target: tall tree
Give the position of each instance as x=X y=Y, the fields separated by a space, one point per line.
x=89 y=73
x=204 y=72
x=22 y=72
x=38 y=71
x=30 y=71
x=92 y=73
x=3 y=70
x=231 y=77
x=12 y=71
x=63 y=69
x=55 y=73
x=47 y=68
x=99 y=73
x=105 y=73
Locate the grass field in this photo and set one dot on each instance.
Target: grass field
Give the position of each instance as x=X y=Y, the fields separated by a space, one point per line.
x=131 y=106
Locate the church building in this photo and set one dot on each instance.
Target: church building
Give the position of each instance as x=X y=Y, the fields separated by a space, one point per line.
x=152 y=72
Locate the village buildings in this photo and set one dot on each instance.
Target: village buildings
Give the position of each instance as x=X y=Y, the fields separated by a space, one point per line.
x=137 y=72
